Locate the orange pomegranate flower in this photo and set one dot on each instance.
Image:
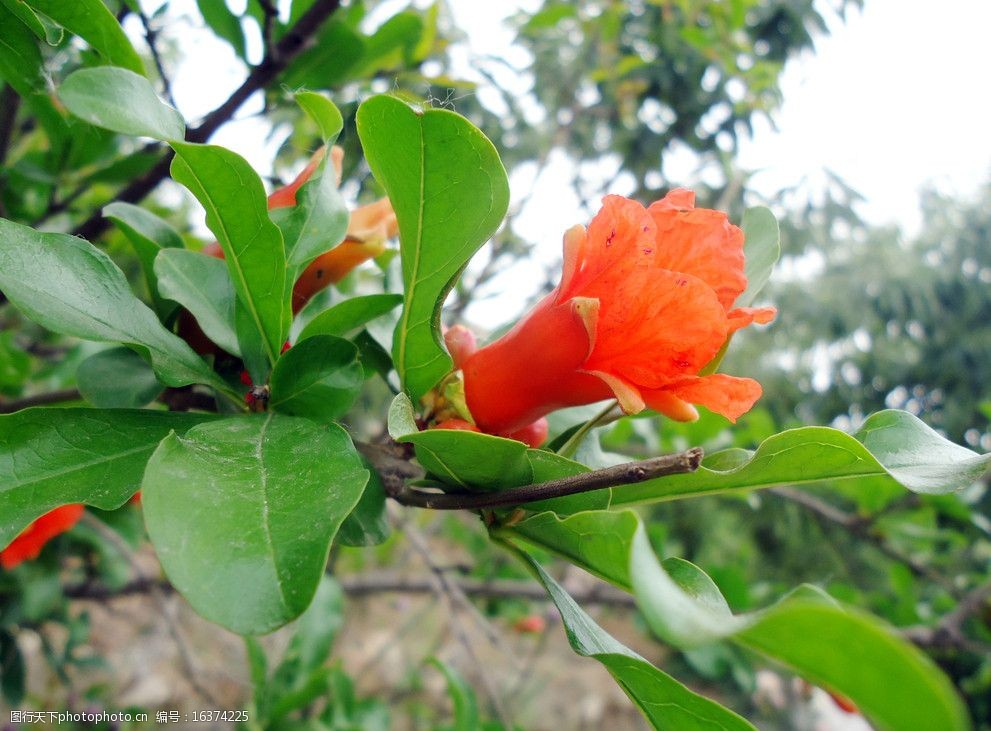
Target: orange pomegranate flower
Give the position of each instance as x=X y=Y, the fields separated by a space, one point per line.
x=32 y=539
x=644 y=304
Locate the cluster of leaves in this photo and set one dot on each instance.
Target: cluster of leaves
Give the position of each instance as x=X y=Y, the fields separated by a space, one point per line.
x=242 y=508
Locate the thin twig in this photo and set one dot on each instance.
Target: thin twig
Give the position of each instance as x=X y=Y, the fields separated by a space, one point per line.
x=370 y=584
x=289 y=46
x=445 y=588
x=863 y=529
x=151 y=37
x=41 y=399
x=624 y=474
x=159 y=595
x=948 y=632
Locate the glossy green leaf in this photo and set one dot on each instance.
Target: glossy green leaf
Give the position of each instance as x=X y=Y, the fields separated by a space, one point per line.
x=202 y=285
x=844 y=650
x=121 y=101
x=27 y=16
x=319 y=378
x=317 y=223
x=51 y=457
x=664 y=702
x=322 y=111
x=71 y=287
x=892 y=444
x=237 y=214
x=20 y=57
x=462 y=459
x=350 y=315
x=223 y=23
x=242 y=513
x=368 y=523
x=117 y=378
x=92 y=21
x=893 y=683
x=450 y=193
x=148 y=234
x=762 y=248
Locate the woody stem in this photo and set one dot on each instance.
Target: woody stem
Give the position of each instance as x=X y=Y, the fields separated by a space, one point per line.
x=624 y=474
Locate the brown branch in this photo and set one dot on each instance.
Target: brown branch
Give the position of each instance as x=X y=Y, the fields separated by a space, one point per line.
x=371 y=584
x=151 y=38
x=289 y=46
x=624 y=474
x=42 y=399
x=948 y=633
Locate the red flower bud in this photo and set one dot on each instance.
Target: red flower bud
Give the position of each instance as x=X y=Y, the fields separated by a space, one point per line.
x=533 y=434
x=643 y=305
x=530 y=624
x=460 y=342
x=33 y=538
x=457 y=425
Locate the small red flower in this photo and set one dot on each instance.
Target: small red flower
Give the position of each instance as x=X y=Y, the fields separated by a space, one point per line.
x=32 y=539
x=645 y=302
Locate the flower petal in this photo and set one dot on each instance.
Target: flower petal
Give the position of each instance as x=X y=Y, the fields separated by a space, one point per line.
x=727 y=395
x=743 y=316
x=619 y=242
x=700 y=242
x=671 y=406
x=627 y=394
x=657 y=326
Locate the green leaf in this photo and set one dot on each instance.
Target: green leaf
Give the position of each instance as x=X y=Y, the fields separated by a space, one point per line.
x=450 y=193
x=148 y=234
x=844 y=650
x=348 y=316
x=51 y=457
x=121 y=101
x=664 y=702
x=318 y=378
x=71 y=287
x=223 y=23
x=466 y=716
x=368 y=523
x=237 y=214
x=893 y=683
x=461 y=458
x=892 y=444
x=242 y=513
x=26 y=16
x=202 y=285
x=92 y=21
x=317 y=223
x=762 y=247
x=322 y=111
x=117 y=378
x=20 y=57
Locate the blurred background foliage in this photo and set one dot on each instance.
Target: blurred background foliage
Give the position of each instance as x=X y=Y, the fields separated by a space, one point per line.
x=869 y=317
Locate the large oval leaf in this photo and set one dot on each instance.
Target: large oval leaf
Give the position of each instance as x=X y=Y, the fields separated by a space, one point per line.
x=450 y=192
x=242 y=513
x=121 y=101
x=892 y=444
x=117 y=378
x=51 y=457
x=71 y=287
